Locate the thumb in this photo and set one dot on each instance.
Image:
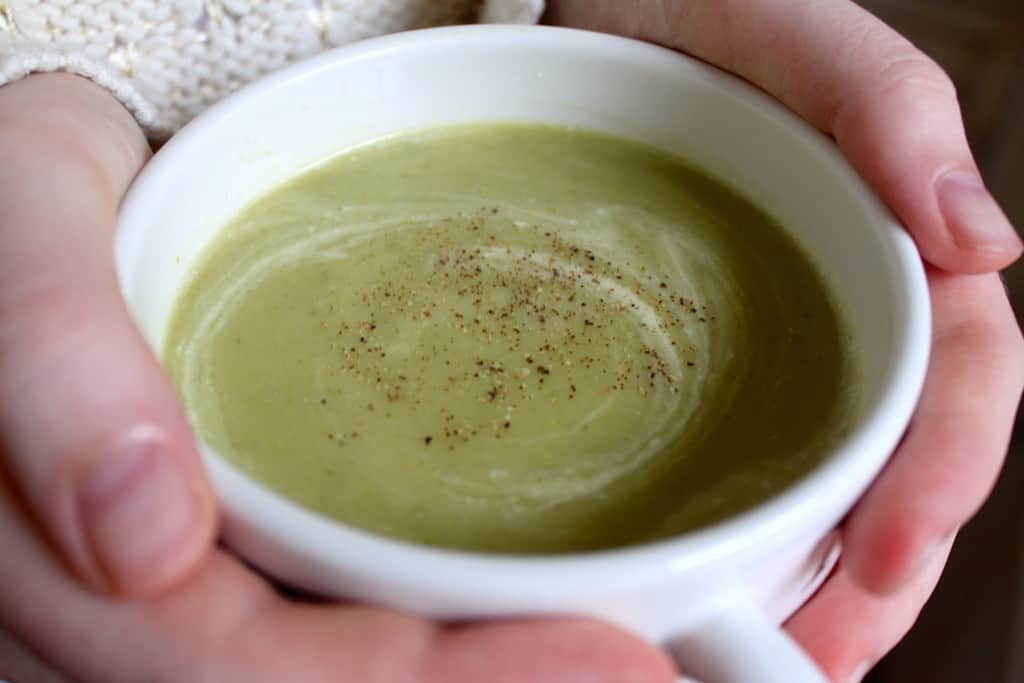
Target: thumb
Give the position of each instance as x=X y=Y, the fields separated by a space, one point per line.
x=904 y=133
x=892 y=110
x=90 y=430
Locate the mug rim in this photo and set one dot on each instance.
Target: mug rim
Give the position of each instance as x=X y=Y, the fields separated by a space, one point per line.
x=850 y=461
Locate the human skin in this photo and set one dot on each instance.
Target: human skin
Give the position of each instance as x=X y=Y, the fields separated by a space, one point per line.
x=109 y=565
x=895 y=116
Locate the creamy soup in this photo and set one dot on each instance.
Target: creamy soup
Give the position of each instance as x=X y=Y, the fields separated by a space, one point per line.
x=513 y=338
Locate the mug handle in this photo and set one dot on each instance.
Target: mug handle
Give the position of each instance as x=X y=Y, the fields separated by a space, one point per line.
x=740 y=645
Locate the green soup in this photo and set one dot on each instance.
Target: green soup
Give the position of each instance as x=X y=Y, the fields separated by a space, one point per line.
x=513 y=338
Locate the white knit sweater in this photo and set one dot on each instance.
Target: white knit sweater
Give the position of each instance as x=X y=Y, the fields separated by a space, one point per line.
x=167 y=60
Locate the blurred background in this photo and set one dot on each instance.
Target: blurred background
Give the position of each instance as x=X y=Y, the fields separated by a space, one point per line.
x=972 y=631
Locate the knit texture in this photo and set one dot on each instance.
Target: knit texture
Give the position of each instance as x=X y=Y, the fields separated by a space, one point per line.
x=168 y=60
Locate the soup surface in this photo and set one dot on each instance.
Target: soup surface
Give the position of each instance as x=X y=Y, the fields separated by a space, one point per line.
x=513 y=338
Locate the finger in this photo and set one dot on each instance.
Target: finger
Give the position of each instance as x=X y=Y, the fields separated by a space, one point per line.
x=93 y=637
x=956 y=442
x=847 y=629
x=224 y=624
x=553 y=651
x=90 y=429
x=893 y=112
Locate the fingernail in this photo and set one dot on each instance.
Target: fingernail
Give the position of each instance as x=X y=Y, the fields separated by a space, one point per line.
x=858 y=673
x=136 y=509
x=972 y=216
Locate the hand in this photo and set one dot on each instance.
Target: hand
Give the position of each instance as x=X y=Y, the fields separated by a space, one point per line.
x=224 y=624
x=107 y=520
x=894 y=115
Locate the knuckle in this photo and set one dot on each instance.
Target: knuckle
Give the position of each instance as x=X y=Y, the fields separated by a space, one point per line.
x=908 y=69
x=899 y=73
x=38 y=321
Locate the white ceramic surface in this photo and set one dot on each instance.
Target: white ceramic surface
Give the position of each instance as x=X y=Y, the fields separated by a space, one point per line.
x=714 y=596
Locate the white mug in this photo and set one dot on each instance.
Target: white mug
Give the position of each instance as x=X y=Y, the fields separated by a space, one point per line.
x=714 y=597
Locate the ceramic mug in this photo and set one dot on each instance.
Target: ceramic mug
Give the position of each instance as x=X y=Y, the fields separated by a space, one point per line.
x=714 y=597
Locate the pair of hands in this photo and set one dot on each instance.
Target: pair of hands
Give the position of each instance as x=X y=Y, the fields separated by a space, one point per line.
x=109 y=569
